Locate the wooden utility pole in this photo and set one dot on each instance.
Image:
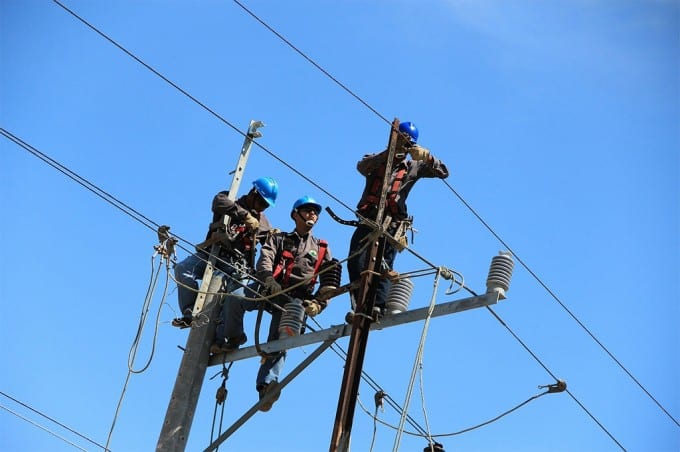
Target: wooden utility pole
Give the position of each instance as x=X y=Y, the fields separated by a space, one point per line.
x=180 y=414
x=361 y=322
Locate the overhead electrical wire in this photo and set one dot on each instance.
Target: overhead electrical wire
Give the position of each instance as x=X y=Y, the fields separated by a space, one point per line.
x=367 y=105
x=367 y=378
x=49 y=419
x=305 y=177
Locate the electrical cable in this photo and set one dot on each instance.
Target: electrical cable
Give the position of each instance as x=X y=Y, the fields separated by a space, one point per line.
x=362 y=101
x=564 y=307
x=417 y=363
x=43 y=428
x=204 y=106
x=537 y=359
x=132 y=355
x=321 y=188
x=115 y=202
x=51 y=420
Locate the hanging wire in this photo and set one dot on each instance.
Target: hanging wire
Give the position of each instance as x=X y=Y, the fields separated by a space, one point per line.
x=465 y=430
x=132 y=355
x=49 y=419
x=418 y=362
x=372 y=383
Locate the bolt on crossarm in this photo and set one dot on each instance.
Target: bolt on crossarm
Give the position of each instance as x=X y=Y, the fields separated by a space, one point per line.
x=361 y=322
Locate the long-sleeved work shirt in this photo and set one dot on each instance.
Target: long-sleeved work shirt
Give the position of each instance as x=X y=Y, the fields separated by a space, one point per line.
x=404 y=176
x=305 y=251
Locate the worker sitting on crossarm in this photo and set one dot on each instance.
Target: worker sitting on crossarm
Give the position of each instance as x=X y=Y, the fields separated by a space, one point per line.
x=288 y=262
x=247 y=225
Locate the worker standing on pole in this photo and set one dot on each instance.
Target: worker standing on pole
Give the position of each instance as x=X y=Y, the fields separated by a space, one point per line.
x=247 y=225
x=405 y=173
x=287 y=268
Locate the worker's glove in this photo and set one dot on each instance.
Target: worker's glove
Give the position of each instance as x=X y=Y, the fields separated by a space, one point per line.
x=312 y=307
x=251 y=222
x=418 y=152
x=325 y=292
x=271 y=286
x=402 y=243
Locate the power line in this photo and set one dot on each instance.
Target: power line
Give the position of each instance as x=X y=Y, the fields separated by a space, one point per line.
x=115 y=202
x=566 y=309
x=310 y=60
x=50 y=419
x=319 y=186
x=204 y=106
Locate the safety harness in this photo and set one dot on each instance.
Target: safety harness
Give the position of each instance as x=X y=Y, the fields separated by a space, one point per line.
x=286 y=261
x=372 y=197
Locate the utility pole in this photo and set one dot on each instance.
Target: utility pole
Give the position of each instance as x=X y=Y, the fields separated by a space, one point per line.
x=361 y=323
x=180 y=414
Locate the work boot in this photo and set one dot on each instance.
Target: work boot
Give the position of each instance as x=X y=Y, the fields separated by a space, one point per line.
x=266 y=389
x=184 y=321
x=216 y=347
x=233 y=343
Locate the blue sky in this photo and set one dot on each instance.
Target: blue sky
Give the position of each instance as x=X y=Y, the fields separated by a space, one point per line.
x=559 y=121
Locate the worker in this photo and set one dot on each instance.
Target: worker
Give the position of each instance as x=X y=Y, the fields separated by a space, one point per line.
x=287 y=270
x=405 y=173
x=247 y=225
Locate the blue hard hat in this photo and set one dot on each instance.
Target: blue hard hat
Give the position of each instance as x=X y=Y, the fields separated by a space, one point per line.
x=306 y=201
x=409 y=129
x=268 y=188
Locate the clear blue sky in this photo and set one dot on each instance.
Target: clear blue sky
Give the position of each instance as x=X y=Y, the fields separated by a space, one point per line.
x=559 y=121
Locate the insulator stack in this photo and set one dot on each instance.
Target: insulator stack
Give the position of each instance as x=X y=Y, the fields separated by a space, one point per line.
x=399 y=296
x=291 y=320
x=500 y=273
x=330 y=274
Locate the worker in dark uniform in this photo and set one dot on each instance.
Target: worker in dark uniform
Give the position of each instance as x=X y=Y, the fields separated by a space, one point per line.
x=405 y=173
x=247 y=225
x=288 y=266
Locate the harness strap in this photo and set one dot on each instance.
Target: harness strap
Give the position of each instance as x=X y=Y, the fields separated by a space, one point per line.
x=372 y=197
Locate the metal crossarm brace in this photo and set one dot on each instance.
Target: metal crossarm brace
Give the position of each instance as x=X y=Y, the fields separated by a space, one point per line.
x=282 y=384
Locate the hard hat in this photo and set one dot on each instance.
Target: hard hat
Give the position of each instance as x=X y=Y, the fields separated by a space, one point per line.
x=409 y=129
x=306 y=201
x=268 y=188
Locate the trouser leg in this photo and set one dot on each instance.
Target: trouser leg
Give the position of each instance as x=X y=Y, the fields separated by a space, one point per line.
x=187 y=272
x=271 y=368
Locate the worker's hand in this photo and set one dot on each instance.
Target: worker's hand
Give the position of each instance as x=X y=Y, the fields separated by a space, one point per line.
x=312 y=307
x=271 y=286
x=418 y=152
x=251 y=222
x=325 y=292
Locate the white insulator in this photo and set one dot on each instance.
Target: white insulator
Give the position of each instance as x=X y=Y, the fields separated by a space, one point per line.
x=399 y=296
x=500 y=273
x=291 y=320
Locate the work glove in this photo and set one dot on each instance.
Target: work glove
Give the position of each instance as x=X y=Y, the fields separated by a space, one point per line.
x=418 y=152
x=251 y=222
x=312 y=307
x=271 y=286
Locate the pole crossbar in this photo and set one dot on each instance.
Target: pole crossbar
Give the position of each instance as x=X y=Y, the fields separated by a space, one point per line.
x=337 y=331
